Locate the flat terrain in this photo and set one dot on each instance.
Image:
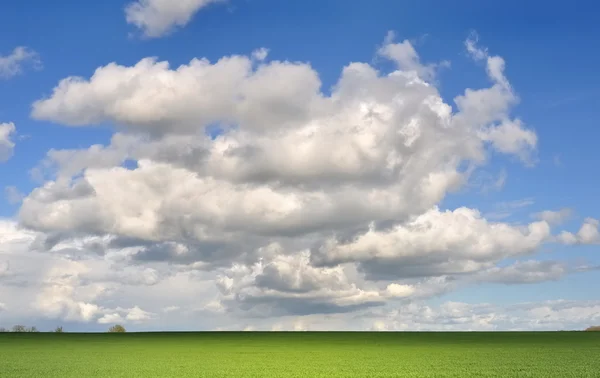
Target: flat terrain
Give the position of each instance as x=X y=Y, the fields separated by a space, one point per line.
x=252 y=354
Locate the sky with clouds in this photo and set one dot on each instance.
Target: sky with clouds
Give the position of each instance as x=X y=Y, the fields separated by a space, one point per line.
x=267 y=165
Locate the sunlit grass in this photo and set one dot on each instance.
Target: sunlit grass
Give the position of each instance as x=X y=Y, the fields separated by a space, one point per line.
x=252 y=354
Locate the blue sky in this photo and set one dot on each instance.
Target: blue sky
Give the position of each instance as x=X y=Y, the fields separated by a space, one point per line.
x=551 y=64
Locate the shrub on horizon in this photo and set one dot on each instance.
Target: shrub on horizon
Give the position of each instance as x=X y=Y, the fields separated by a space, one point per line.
x=117 y=329
x=593 y=328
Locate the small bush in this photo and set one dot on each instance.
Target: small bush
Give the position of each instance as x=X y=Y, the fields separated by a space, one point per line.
x=58 y=330
x=593 y=328
x=117 y=329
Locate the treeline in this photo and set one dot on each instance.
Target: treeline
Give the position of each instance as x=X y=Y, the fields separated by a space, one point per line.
x=20 y=328
x=120 y=329
x=23 y=329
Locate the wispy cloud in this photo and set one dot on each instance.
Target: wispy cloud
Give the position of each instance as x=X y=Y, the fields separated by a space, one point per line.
x=13 y=195
x=12 y=64
x=506 y=209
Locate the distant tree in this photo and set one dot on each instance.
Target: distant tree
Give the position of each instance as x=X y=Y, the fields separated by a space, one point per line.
x=117 y=329
x=19 y=328
x=58 y=330
x=593 y=328
x=3 y=330
x=32 y=329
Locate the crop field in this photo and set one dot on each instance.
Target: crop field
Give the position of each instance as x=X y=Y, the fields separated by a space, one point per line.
x=301 y=354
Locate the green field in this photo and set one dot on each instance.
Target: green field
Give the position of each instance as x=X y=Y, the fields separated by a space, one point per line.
x=253 y=354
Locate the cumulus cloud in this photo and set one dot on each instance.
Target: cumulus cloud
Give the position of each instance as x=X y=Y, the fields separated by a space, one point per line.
x=587 y=234
x=297 y=161
x=151 y=96
x=404 y=55
x=435 y=243
x=67 y=281
x=71 y=281
x=287 y=284
x=11 y=65
x=458 y=316
x=253 y=292
x=157 y=18
x=512 y=138
x=449 y=316
x=120 y=315
x=506 y=135
x=65 y=295
x=554 y=217
x=306 y=202
x=6 y=143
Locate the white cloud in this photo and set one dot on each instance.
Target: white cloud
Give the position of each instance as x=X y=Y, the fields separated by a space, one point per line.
x=554 y=217
x=62 y=297
x=157 y=18
x=395 y=290
x=72 y=282
x=136 y=314
x=292 y=165
x=404 y=55
x=524 y=272
x=435 y=243
x=457 y=316
x=307 y=203
x=587 y=234
x=150 y=96
x=111 y=318
x=6 y=143
x=12 y=64
x=260 y=54
x=449 y=316
x=69 y=281
x=290 y=285
x=562 y=312
x=506 y=135
x=171 y=308
x=511 y=138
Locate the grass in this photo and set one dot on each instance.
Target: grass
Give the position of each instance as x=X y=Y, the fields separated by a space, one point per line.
x=281 y=354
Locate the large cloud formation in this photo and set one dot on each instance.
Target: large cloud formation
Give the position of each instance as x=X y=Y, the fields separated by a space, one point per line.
x=242 y=188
